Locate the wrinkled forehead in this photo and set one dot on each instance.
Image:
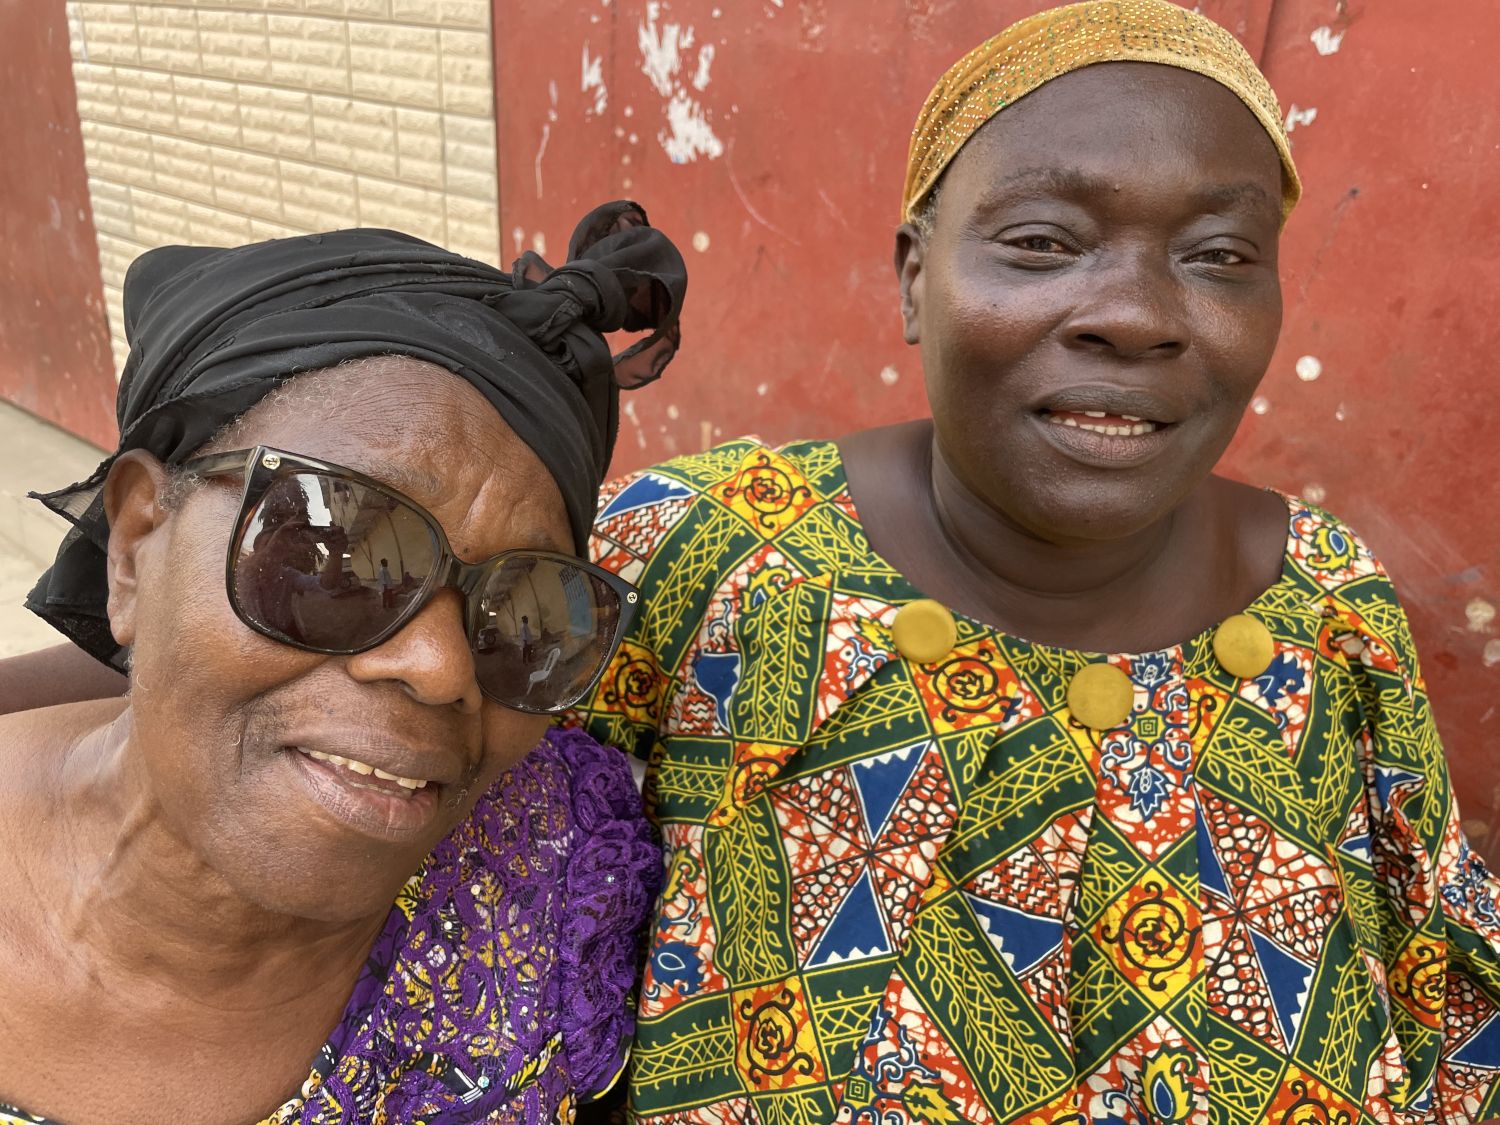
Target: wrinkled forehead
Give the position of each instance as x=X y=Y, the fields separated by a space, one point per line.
x=426 y=433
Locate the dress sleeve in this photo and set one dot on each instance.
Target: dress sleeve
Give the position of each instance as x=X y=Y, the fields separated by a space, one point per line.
x=1436 y=924
x=613 y=875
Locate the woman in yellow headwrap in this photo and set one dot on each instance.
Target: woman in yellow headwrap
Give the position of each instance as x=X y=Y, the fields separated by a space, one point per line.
x=1012 y=766
x=925 y=870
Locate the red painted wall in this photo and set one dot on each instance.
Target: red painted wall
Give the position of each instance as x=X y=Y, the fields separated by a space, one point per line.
x=1391 y=265
x=54 y=342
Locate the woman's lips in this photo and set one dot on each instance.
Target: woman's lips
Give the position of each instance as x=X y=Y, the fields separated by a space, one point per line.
x=1102 y=439
x=383 y=806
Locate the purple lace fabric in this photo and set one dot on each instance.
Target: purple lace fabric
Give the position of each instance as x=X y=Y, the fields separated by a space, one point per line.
x=500 y=989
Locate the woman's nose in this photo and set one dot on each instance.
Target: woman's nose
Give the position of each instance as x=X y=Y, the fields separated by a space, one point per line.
x=1135 y=310
x=430 y=657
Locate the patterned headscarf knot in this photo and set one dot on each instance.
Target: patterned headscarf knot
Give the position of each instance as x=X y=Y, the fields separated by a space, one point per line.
x=1050 y=44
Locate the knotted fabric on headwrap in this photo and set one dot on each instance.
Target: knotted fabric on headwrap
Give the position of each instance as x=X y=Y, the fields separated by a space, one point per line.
x=213 y=331
x=1050 y=44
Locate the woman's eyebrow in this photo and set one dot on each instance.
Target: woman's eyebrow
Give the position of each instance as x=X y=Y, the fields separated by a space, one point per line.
x=1051 y=181
x=1075 y=183
x=1229 y=195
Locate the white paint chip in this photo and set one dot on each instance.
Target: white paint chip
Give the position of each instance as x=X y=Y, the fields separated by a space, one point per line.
x=1260 y=404
x=689 y=134
x=520 y=236
x=1314 y=494
x=539 y=243
x=1340 y=414
x=1298 y=116
x=672 y=411
x=1309 y=367
x=700 y=241
x=1481 y=615
x=659 y=54
x=889 y=375
x=593 y=79
x=1326 y=41
x=705 y=61
x=1492 y=653
x=763 y=388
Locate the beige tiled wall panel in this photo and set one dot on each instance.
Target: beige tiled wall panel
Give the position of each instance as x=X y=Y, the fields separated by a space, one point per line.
x=218 y=122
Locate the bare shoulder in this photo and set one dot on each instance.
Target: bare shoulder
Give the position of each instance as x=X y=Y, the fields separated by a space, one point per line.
x=33 y=744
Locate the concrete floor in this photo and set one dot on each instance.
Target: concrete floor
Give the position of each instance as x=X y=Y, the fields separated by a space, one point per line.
x=34 y=456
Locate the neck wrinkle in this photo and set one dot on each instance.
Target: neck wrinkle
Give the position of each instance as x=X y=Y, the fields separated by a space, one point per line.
x=1083 y=570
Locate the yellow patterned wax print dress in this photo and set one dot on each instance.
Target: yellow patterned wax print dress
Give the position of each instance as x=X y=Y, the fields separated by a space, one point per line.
x=903 y=893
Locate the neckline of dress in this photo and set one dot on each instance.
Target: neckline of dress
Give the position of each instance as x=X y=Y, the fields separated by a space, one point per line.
x=1286 y=578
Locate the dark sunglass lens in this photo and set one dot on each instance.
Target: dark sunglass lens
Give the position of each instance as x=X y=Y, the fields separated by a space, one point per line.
x=331 y=564
x=545 y=628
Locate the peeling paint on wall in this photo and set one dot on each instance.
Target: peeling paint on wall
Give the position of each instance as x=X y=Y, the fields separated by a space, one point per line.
x=1298 y=116
x=593 y=79
x=688 y=134
x=1326 y=41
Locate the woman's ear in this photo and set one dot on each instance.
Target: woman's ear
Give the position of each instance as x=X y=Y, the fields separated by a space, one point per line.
x=133 y=503
x=910 y=251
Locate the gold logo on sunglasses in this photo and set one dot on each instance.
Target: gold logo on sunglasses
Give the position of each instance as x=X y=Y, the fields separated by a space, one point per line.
x=270 y=460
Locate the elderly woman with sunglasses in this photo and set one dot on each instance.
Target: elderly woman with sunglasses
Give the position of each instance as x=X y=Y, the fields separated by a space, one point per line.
x=307 y=870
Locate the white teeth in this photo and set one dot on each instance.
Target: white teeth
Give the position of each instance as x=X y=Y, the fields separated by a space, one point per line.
x=363 y=768
x=1070 y=422
x=1055 y=419
x=1129 y=418
x=1095 y=413
x=1117 y=431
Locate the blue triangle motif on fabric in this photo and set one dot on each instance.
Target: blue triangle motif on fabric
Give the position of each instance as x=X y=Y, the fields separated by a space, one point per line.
x=1483 y=1047
x=1021 y=939
x=1210 y=873
x=857 y=929
x=1288 y=979
x=1388 y=779
x=648 y=489
x=718 y=674
x=882 y=779
x=1357 y=846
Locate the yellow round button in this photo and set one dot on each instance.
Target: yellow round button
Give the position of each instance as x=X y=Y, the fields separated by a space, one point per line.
x=1244 y=646
x=924 y=631
x=1101 y=696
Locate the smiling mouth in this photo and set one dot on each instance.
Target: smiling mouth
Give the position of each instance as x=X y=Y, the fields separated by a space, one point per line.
x=362 y=775
x=1100 y=422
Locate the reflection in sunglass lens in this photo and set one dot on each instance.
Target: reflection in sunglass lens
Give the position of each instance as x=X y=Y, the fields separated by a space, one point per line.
x=543 y=630
x=331 y=564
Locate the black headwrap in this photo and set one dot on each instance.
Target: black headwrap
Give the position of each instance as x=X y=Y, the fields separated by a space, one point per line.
x=213 y=331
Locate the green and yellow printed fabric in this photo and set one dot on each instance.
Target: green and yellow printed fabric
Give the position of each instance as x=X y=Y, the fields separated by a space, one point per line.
x=923 y=893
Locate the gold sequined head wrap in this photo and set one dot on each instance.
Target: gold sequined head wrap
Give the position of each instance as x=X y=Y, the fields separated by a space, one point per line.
x=1049 y=45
